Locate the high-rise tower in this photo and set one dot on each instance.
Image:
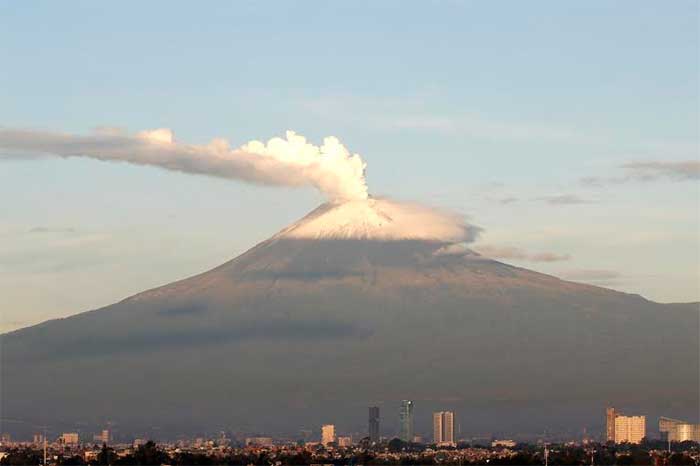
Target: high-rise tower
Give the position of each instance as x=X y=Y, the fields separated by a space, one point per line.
x=630 y=429
x=624 y=429
x=374 y=424
x=327 y=434
x=443 y=428
x=610 y=416
x=406 y=421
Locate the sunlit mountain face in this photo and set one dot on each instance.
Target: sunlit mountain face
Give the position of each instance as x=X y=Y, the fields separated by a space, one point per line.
x=360 y=303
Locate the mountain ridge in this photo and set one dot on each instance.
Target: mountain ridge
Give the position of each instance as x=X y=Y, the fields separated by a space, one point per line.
x=302 y=330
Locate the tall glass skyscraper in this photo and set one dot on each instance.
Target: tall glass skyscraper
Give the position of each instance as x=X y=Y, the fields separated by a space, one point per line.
x=406 y=421
x=374 y=424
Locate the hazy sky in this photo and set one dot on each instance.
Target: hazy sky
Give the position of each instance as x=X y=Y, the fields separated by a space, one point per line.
x=558 y=127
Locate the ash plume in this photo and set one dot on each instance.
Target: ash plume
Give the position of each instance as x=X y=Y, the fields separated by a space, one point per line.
x=289 y=161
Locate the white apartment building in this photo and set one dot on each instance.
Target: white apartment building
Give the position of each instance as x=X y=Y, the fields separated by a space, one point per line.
x=327 y=434
x=443 y=428
x=630 y=429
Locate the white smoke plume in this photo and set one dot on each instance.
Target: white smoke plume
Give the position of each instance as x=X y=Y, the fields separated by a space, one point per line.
x=291 y=161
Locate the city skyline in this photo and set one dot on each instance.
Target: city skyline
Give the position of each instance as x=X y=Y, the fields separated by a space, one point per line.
x=223 y=450
x=678 y=441
x=626 y=430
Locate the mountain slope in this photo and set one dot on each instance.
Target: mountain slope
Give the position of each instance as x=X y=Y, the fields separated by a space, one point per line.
x=342 y=310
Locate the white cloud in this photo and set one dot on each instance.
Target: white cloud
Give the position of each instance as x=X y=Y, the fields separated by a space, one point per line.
x=682 y=170
x=592 y=276
x=564 y=199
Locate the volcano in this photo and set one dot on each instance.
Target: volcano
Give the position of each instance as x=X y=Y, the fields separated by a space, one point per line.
x=359 y=303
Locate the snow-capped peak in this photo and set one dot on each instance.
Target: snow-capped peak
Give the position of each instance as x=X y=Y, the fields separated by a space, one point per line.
x=380 y=219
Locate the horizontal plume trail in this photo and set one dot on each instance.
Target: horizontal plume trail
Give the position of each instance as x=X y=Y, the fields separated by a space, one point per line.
x=291 y=161
x=513 y=253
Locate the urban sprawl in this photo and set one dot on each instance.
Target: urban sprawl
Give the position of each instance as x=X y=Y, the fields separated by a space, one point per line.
x=624 y=442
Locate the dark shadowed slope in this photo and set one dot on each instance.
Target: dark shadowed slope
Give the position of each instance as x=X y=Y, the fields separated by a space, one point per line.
x=300 y=331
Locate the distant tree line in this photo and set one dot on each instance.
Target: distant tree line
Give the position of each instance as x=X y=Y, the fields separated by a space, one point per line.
x=150 y=454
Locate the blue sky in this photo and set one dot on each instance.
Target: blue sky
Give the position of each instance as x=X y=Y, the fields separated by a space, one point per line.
x=496 y=110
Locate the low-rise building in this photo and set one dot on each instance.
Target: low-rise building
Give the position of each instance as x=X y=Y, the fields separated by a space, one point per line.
x=70 y=438
x=503 y=443
x=259 y=442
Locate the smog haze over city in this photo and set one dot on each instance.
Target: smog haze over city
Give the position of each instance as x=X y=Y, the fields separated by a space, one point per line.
x=287 y=232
